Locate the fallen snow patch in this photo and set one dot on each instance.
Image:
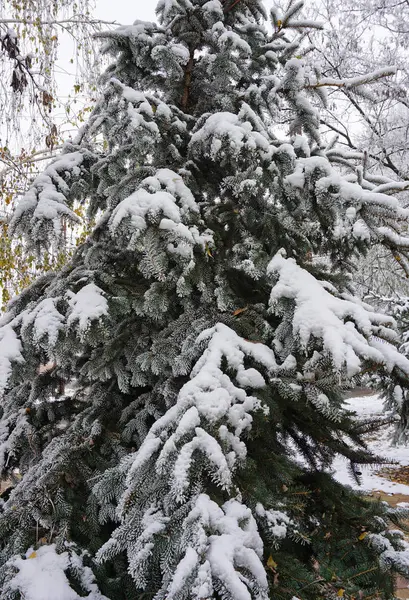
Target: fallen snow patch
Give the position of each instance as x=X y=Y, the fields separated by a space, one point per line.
x=380 y=444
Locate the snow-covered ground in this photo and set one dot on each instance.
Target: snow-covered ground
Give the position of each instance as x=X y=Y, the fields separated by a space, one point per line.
x=380 y=444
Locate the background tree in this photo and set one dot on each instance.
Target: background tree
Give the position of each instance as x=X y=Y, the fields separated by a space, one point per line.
x=370 y=123
x=37 y=116
x=372 y=127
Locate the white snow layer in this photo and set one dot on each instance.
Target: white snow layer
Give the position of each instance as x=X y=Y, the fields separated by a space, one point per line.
x=163 y=195
x=225 y=540
x=226 y=132
x=41 y=576
x=10 y=352
x=220 y=544
x=88 y=304
x=153 y=523
x=277 y=521
x=45 y=320
x=346 y=328
x=45 y=200
x=353 y=198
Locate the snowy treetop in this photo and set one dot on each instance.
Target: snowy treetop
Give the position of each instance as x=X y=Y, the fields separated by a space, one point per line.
x=237 y=120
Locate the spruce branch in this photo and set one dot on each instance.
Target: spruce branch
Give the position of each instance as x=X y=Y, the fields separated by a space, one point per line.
x=353 y=82
x=229 y=5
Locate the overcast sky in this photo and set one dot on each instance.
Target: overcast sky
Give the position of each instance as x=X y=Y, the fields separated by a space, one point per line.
x=125 y=11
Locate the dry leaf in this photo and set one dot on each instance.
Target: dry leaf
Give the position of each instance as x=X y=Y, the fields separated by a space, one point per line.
x=239 y=311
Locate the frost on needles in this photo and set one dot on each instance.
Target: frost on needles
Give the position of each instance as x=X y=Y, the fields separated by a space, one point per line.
x=172 y=398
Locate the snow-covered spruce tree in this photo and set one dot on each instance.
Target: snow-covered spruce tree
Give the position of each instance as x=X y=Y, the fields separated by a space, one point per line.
x=203 y=335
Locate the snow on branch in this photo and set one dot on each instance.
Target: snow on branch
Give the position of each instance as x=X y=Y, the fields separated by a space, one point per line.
x=277 y=521
x=392 y=187
x=208 y=399
x=40 y=324
x=42 y=574
x=224 y=134
x=228 y=38
x=140 y=31
x=352 y=82
x=393 y=238
x=234 y=544
x=44 y=323
x=202 y=435
x=164 y=197
x=48 y=200
x=347 y=329
x=167 y=9
x=389 y=557
x=368 y=213
x=10 y=352
x=88 y=304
